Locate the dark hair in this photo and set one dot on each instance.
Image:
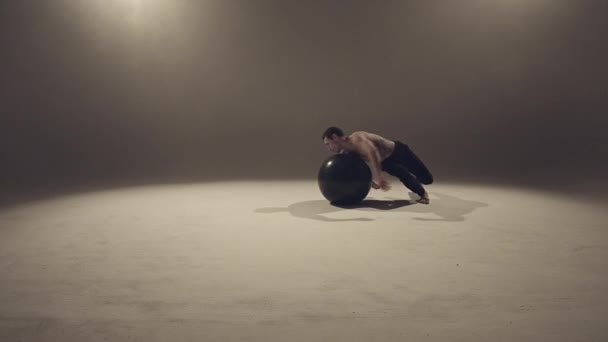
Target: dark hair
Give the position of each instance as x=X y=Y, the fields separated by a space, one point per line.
x=331 y=131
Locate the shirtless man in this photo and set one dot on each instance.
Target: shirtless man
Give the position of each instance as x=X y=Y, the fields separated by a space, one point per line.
x=382 y=154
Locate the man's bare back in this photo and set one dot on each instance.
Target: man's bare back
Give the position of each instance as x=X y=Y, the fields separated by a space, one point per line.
x=385 y=147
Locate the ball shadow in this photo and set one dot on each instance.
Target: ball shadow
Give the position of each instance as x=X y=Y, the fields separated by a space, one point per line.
x=376 y=204
x=445 y=207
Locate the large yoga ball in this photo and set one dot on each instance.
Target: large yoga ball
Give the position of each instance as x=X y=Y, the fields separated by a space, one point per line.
x=344 y=179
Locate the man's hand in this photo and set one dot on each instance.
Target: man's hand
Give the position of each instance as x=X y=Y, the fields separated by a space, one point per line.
x=384 y=185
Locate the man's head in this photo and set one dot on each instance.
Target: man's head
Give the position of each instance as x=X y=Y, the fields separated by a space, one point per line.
x=332 y=138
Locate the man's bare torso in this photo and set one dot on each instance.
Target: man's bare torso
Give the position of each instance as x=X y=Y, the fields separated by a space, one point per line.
x=384 y=146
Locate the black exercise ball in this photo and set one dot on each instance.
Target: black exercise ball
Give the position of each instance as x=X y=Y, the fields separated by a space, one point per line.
x=344 y=179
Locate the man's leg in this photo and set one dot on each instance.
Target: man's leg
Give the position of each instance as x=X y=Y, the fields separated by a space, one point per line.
x=416 y=166
x=401 y=171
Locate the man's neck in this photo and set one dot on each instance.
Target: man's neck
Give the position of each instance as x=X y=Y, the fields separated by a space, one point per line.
x=346 y=145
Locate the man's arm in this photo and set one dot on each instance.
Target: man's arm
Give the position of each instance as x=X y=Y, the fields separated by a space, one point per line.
x=369 y=152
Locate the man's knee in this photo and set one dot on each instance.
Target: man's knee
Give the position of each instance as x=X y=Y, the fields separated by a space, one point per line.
x=428 y=179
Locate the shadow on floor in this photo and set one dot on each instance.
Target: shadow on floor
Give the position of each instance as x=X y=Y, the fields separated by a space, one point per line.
x=446 y=207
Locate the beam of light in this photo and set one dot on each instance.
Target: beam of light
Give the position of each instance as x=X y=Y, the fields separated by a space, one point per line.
x=131 y=16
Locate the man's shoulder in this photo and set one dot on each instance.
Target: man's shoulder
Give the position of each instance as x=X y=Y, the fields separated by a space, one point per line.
x=361 y=140
x=360 y=135
x=368 y=136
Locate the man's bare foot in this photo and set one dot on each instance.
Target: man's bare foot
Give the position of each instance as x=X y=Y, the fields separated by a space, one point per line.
x=424 y=199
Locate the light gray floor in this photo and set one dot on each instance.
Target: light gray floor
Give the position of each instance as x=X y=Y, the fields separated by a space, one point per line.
x=273 y=261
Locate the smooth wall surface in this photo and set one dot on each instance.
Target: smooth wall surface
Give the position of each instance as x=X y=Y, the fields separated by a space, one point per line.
x=195 y=90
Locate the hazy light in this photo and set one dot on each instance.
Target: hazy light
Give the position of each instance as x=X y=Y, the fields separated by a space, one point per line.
x=135 y=15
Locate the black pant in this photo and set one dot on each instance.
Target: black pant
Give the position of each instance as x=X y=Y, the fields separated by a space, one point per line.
x=406 y=166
